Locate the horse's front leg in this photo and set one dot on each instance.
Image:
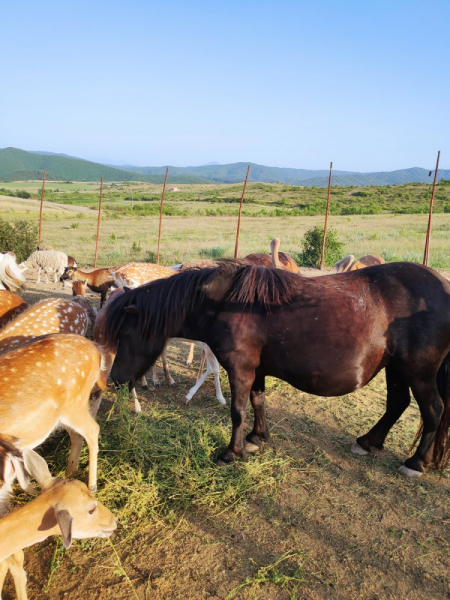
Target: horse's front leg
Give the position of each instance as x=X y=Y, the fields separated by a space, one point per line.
x=260 y=431
x=240 y=384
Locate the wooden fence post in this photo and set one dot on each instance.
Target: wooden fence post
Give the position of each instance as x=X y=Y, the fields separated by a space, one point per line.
x=98 y=221
x=40 y=211
x=322 y=258
x=427 y=241
x=236 y=248
x=160 y=216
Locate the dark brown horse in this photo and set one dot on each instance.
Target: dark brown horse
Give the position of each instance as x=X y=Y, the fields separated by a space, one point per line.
x=325 y=335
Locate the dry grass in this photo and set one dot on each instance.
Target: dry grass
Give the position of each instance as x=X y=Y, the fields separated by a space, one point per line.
x=73 y=230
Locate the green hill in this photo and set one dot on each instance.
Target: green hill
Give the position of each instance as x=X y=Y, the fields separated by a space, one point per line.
x=18 y=165
x=236 y=172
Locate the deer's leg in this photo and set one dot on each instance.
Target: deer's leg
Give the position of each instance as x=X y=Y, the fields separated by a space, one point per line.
x=194 y=389
x=213 y=364
x=3 y=571
x=137 y=404
x=84 y=425
x=155 y=377
x=18 y=573
x=190 y=357
x=167 y=374
x=202 y=365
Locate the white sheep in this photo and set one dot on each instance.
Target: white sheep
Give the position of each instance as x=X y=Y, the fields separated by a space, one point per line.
x=50 y=261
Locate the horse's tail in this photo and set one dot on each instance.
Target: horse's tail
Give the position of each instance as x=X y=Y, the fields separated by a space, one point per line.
x=10 y=274
x=441 y=450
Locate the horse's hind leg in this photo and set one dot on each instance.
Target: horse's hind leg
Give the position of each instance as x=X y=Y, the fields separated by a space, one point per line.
x=431 y=409
x=260 y=429
x=398 y=399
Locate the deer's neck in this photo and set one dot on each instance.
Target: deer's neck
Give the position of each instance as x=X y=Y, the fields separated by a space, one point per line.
x=29 y=525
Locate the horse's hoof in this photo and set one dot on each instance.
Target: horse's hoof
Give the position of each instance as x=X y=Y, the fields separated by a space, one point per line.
x=251 y=448
x=157 y=385
x=144 y=387
x=222 y=463
x=357 y=449
x=173 y=384
x=406 y=472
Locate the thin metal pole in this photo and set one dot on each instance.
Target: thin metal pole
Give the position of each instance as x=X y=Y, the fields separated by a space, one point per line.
x=322 y=258
x=236 y=248
x=40 y=212
x=427 y=242
x=160 y=216
x=98 y=221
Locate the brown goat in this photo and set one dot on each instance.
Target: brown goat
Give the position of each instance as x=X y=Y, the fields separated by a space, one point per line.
x=99 y=281
x=11 y=306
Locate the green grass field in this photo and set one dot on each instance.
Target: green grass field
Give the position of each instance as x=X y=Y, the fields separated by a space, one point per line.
x=302 y=520
x=129 y=235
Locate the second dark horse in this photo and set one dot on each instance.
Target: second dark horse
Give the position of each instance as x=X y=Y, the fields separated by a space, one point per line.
x=325 y=335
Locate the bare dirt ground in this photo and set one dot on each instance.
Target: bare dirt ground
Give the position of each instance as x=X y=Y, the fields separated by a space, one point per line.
x=335 y=526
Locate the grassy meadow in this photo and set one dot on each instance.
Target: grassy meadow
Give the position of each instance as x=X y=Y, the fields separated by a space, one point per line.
x=200 y=220
x=303 y=519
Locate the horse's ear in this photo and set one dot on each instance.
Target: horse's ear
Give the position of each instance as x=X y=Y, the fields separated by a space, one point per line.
x=126 y=288
x=131 y=309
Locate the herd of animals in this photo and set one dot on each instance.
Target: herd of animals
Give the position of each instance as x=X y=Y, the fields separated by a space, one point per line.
x=257 y=317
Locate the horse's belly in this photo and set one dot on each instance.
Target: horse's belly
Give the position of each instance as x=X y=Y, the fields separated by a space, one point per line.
x=327 y=374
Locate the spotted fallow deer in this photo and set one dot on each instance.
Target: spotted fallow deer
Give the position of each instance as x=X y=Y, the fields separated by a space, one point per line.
x=52 y=315
x=276 y=259
x=46 y=384
x=135 y=274
x=11 y=306
x=64 y=507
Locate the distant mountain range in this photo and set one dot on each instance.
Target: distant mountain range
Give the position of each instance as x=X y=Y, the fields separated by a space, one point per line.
x=17 y=165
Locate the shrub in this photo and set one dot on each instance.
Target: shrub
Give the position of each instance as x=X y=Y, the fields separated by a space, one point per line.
x=312 y=247
x=214 y=253
x=23 y=194
x=21 y=238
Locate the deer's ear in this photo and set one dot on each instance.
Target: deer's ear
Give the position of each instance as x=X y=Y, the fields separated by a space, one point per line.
x=37 y=467
x=131 y=309
x=65 y=524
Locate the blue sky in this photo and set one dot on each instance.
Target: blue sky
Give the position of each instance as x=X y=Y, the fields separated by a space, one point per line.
x=289 y=84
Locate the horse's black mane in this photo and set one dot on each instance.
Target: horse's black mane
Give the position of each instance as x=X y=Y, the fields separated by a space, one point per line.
x=162 y=305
